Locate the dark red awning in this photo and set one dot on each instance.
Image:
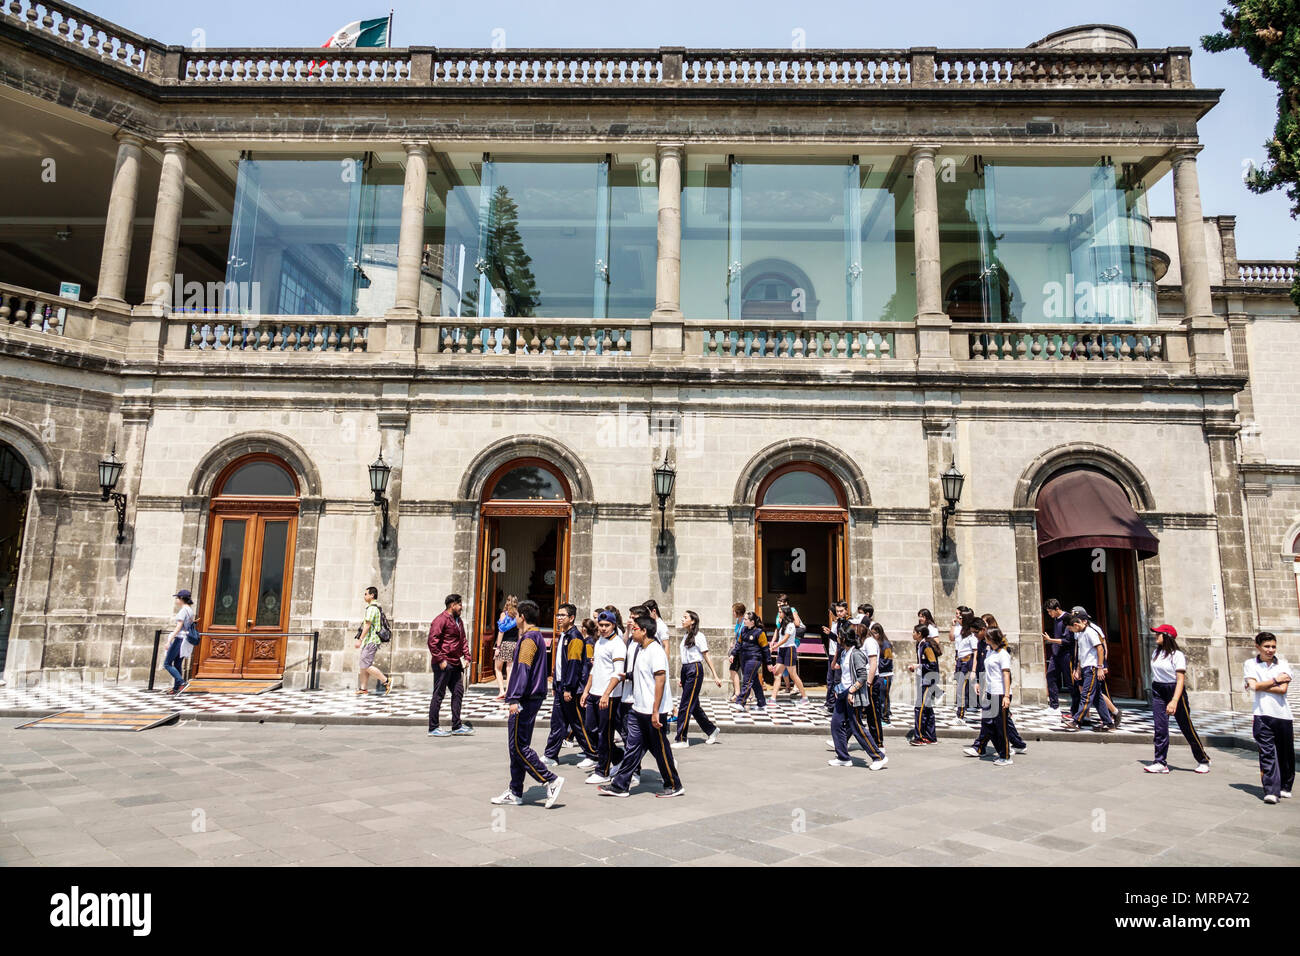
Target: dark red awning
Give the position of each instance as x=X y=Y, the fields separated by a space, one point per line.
x=1086 y=509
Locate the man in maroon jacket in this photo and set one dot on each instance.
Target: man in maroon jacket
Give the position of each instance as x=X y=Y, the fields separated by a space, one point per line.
x=448 y=650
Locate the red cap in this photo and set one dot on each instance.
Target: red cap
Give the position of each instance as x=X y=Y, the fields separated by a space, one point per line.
x=1165 y=629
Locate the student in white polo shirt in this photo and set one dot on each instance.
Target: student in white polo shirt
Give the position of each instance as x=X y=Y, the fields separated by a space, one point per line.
x=997 y=687
x=1090 y=671
x=647 y=726
x=602 y=699
x=1269 y=676
x=1169 y=699
x=694 y=655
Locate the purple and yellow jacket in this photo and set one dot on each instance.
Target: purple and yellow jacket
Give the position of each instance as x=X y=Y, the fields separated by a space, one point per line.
x=528 y=675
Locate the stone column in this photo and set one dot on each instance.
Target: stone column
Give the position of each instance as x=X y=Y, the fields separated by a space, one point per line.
x=1205 y=330
x=933 y=326
x=119 y=222
x=666 y=322
x=403 y=317
x=166 y=228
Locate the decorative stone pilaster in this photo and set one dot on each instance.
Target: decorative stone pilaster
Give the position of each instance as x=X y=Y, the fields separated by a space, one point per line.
x=933 y=327
x=1234 y=559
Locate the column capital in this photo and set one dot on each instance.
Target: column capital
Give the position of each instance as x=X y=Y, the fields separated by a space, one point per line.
x=1185 y=151
x=173 y=144
x=669 y=149
x=923 y=150
x=128 y=138
x=417 y=147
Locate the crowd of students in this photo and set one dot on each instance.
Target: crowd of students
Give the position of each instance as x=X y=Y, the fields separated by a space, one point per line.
x=612 y=699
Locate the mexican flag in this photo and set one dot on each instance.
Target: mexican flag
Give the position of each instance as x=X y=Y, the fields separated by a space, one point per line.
x=362 y=33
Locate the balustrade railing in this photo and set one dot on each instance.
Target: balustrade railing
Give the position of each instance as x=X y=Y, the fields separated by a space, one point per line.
x=775 y=342
x=81 y=29
x=38 y=311
x=341 y=65
x=538 y=337
x=1061 y=343
x=1267 y=272
x=297 y=334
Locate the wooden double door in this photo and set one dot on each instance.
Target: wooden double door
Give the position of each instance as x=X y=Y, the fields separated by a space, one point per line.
x=1105 y=585
x=244 y=609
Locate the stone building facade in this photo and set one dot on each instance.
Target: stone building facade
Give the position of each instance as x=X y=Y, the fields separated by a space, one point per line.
x=406 y=221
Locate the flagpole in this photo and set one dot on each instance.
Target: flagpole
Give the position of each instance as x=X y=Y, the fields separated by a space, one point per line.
x=390 y=26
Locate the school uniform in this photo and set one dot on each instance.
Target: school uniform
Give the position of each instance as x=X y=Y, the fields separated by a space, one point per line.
x=642 y=735
x=884 y=679
x=927 y=679
x=692 y=659
x=849 y=707
x=753 y=653
x=870 y=648
x=570 y=661
x=965 y=647
x=608 y=658
x=993 y=725
x=1087 y=643
x=1165 y=669
x=1056 y=662
x=528 y=690
x=1272 y=728
x=833 y=643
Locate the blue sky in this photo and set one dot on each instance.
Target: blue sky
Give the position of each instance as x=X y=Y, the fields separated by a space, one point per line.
x=1232 y=133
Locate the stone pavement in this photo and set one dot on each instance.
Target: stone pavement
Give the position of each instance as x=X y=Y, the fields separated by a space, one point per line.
x=284 y=793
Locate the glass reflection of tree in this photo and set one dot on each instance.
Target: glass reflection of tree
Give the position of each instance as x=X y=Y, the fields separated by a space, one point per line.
x=509 y=263
x=528 y=482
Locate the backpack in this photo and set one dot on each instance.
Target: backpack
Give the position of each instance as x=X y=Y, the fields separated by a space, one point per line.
x=192 y=632
x=385 y=629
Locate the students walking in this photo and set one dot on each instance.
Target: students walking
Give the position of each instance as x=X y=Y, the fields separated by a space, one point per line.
x=369 y=639
x=852 y=692
x=1058 y=647
x=997 y=690
x=838 y=627
x=869 y=644
x=694 y=654
x=524 y=696
x=926 y=670
x=884 y=676
x=753 y=653
x=1090 y=671
x=984 y=701
x=1169 y=699
x=647 y=727
x=602 y=697
x=733 y=666
x=178 y=642
x=965 y=645
x=1268 y=675
x=566 y=686
x=448 y=651
x=786 y=652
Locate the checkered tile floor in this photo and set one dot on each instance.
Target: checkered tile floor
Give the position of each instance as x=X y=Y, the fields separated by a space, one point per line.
x=413 y=707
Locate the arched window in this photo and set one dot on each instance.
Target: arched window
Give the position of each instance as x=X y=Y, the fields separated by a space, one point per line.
x=800 y=485
x=259 y=477
x=526 y=479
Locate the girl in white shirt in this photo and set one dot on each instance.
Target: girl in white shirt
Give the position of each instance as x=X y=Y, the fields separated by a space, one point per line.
x=694 y=655
x=1169 y=699
x=997 y=685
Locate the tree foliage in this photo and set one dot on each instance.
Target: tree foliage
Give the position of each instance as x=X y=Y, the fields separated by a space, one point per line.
x=1268 y=32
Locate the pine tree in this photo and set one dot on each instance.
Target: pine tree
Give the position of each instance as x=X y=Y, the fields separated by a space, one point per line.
x=508 y=261
x=1268 y=31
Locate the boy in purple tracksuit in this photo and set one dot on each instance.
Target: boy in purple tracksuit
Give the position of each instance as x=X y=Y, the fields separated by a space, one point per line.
x=570 y=677
x=524 y=697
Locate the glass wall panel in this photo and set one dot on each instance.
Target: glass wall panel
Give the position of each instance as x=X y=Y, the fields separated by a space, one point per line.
x=542 y=238
x=1046 y=241
x=777 y=239
x=314 y=237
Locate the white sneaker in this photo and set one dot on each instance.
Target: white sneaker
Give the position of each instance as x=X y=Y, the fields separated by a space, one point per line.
x=586 y=763
x=972 y=752
x=1286 y=794
x=712 y=738
x=596 y=780
x=507 y=799
x=1205 y=768
x=1002 y=763
x=553 y=791
x=549 y=762
x=680 y=745
x=830 y=744
x=803 y=700
x=837 y=762
x=636 y=781
x=1271 y=798
x=1019 y=750
x=568 y=745
x=880 y=764
x=1156 y=768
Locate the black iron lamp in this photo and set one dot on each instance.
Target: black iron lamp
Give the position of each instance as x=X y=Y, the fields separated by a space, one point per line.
x=952 y=481
x=110 y=470
x=665 y=478
x=379 y=472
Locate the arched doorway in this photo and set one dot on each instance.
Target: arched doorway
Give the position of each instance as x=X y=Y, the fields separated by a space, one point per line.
x=524 y=531
x=15 y=493
x=799 y=545
x=248 y=577
x=1090 y=541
